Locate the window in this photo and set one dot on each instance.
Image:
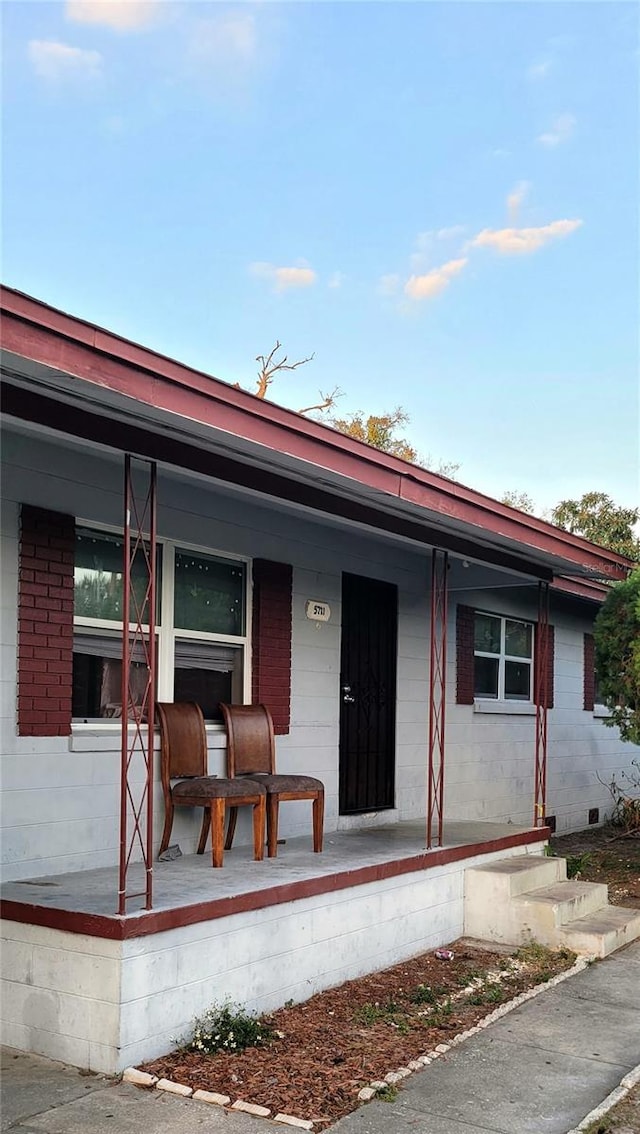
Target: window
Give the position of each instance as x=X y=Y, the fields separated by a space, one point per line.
x=201 y=625
x=503 y=658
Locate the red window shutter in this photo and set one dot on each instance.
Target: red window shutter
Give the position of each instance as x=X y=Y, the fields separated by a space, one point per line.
x=45 y=622
x=464 y=655
x=549 y=677
x=589 y=676
x=271 y=640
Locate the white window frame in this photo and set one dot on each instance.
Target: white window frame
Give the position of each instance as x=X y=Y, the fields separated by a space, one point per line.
x=503 y=657
x=167 y=634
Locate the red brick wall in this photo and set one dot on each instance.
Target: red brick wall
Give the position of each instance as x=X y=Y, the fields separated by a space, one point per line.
x=271 y=659
x=464 y=655
x=589 y=673
x=45 y=622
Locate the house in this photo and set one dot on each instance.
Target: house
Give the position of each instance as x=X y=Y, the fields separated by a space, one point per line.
x=425 y=650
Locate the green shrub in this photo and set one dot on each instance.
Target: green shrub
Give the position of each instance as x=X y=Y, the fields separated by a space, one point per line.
x=229 y=1028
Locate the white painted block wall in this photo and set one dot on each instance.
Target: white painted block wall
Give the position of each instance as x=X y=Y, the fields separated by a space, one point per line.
x=108 y=1005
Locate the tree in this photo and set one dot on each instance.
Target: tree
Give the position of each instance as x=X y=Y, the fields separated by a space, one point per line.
x=270 y=366
x=520 y=500
x=617 y=649
x=597 y=518
x=378 y=430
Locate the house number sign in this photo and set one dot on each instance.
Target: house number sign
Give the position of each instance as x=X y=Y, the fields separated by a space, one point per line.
x=318 y=611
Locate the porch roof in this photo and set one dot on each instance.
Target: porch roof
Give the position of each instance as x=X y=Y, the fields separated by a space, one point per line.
x=66 y=374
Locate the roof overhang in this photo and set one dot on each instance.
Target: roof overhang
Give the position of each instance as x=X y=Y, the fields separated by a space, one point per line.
x=80 y=380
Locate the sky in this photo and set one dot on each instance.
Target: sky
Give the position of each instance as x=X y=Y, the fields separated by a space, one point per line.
x=439 y=201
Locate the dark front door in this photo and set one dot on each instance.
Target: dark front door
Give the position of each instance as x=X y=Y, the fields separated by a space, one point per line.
x=367 y=694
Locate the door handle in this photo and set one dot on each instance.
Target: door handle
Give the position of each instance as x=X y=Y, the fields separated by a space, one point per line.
x=346 y=695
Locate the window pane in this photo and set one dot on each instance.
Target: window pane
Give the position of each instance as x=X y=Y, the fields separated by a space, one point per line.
x=207 y=673
x=518 y=639
x=517 y=681
x=487 y=634
x=209 y=594
x=98 y=577
x=486 y=677
x=97 y=677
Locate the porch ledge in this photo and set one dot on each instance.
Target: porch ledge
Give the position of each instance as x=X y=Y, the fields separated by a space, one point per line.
x=141 y=924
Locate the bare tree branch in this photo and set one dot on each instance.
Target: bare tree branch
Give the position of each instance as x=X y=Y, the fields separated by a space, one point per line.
x=269 y=367
x=328 y=401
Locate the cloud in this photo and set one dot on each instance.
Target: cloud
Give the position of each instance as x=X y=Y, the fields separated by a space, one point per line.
x=561 y=130
x=284 y=278
x=522 y=241
x=515 y=199
x=388 y=285
x=425 y=242
x=121 y=15
x=55 y=61
x=435 y=281
x=539 y=70
x=226 y=40
x=336 y=280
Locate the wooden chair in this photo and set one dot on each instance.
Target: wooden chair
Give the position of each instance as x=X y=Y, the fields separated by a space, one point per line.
x=251 y=752
x=184 y=755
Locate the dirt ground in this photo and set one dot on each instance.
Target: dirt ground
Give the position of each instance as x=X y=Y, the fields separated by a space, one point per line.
x=602 y=854
x=326 y=1049
x=622 y=1119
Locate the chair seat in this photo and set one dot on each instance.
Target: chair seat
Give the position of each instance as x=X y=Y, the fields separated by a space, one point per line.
x=275 y=783
x=214 y=787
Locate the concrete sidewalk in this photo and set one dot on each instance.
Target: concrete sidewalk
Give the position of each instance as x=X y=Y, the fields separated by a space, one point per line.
x=539 y=1070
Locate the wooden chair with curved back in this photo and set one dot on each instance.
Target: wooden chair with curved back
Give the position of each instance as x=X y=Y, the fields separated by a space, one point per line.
x=251 y=753
x=184 y=757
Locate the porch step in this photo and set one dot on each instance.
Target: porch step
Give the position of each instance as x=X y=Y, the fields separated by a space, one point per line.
x=603 y=932
x=528 y=897
x=551 y=907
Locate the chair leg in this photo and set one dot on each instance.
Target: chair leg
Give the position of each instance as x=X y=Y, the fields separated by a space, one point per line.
x=231 y=829
x=318 y=821
x=204 y=833
x=217 y=831
x=273 y=803
x=168 y=824
x=259 y=820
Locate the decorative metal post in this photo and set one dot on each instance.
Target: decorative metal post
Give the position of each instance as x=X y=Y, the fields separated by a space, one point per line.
x=542 y=704
x=437 y=694
x=138 y=698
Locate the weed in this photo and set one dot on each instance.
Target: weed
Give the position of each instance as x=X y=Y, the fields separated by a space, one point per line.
x=428 y=994
x=576 y=864
x=227 y=1027
x=370 y=1014
x=389 y=1094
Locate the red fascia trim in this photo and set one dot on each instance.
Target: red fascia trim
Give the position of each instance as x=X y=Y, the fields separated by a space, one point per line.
x=595 y=592
x=52 y=338
x=158 y=921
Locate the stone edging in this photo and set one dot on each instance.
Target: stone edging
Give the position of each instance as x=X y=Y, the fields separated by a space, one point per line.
x=611 y=1100
x=144 y=1079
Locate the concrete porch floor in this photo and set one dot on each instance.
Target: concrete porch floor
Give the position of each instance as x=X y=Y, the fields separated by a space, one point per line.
x=349 y=857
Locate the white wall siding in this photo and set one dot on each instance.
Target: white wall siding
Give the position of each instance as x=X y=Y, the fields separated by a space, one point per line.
x=61 y=795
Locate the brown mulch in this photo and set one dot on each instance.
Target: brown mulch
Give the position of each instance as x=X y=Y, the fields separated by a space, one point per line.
x=340 y=1040
x=604 y=854
x=624 y=1118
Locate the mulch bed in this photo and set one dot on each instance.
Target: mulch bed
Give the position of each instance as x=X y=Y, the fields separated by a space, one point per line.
x=604 y=854
x=340 y=1040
